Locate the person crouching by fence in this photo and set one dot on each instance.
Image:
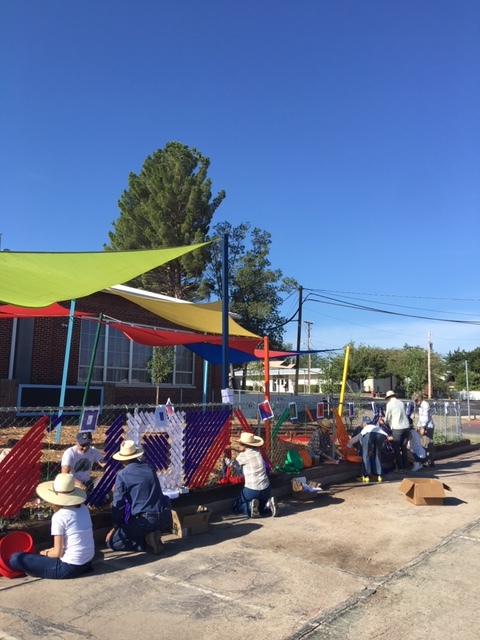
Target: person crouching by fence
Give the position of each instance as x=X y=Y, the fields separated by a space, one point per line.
x=140 y=511
x=372 y=438
x=425 y=427
x=256 y=498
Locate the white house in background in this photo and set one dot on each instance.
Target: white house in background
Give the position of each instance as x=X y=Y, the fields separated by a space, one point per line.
x=282 y=379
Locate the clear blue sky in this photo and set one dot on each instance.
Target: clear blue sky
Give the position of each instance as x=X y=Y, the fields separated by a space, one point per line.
x=349 y=129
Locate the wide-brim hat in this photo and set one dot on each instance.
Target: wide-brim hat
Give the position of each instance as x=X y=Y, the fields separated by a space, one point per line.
x=390 y=394
x=62 y=491
x=128 y=451
x=249 y=440
x=325 y=423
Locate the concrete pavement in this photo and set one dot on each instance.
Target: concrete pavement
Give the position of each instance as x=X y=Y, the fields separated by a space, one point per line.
x=358 y=562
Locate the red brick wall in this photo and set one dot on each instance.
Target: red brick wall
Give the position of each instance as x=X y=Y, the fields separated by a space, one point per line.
x=49 y=342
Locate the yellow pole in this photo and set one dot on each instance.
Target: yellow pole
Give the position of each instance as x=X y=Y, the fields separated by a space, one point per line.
x=344 y=380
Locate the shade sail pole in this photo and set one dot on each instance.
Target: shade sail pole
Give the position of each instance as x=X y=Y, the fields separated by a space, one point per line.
x=266 y=375
x=68 y=344
x=205 y=381
x=225 y=363
x=92 y=360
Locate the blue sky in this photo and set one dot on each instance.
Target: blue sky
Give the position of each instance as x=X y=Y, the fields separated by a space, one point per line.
x=349 y=129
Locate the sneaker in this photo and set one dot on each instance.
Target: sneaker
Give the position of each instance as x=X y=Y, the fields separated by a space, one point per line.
x=417 y=466
x=254 y=510
x=379 y=479
x=154 y=543
x=363 y=479
x=272 y=504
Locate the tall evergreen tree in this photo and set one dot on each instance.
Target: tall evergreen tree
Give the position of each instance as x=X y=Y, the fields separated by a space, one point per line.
x=254 y=287
x=168 y=204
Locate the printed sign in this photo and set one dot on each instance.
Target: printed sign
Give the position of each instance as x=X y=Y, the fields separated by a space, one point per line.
x=265 y=411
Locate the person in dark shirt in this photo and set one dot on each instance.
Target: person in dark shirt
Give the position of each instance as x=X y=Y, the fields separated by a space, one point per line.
x=320 y=443
x=140 y=511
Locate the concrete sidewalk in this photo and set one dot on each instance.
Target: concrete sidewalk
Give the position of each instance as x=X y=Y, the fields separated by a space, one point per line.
x=358 y=562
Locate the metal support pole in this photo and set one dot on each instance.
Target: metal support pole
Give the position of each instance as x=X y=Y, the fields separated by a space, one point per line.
x=299 y=336
x=225 y=363
x=468 y=390
x=65 y=367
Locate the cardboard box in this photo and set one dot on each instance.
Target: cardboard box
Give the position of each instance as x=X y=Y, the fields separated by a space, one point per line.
x=190 y=521
x=423 y=491
x=300 y=493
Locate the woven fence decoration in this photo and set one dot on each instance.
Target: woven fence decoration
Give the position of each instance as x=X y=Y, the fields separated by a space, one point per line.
x=20 y=470
x=207 y=435
x=246 y=427
x=113 y=440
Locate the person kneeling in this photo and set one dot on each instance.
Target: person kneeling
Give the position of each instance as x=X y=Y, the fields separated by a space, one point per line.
x=140 y=511
x=256 y=497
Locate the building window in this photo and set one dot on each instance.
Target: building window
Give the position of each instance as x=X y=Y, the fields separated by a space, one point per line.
x=122 y=361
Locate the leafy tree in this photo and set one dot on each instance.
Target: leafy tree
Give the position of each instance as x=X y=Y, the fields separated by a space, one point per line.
x=160 y=366
x=168 y=204
x=455 y=363
x=254 y=288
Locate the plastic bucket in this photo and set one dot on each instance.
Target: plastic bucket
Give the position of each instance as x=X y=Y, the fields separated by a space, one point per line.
x=9 y=544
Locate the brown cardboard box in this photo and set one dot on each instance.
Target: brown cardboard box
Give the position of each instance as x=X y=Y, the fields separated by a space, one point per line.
x=190 y=521
x=423 y=491
x=300 y=493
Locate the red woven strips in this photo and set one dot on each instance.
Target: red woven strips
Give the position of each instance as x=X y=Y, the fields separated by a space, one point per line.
x=246 y=427
x=206 y=466
x=20 y=470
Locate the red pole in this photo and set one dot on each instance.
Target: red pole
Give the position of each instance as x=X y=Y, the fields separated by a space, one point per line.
x=266 y=378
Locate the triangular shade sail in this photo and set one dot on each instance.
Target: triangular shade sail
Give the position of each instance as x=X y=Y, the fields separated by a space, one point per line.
x=208 y=347
x=164 y=338
x=52 y=311
x=198 y=317
x=38 y=279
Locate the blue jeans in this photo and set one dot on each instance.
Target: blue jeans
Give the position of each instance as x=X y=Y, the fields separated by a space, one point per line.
x=131 y=536
x=43 y=567
x=400 y=439
x=372 y=443
x=241 y=503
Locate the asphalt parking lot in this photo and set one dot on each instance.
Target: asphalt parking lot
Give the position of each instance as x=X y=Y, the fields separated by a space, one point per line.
x=357 y=562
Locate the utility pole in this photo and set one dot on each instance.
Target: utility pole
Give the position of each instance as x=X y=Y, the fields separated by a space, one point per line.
x=308 y=323
x=468 y=390
x=429 y=368
x=299 y=336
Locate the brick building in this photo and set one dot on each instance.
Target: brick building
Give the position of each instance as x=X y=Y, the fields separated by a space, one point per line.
x=32 y=356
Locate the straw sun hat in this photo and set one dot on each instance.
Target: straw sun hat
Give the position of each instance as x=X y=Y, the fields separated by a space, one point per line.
x=249 y=440
x=62 y=491
x=128 y=451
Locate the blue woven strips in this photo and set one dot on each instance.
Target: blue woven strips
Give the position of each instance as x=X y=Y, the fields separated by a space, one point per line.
x=113 y=439
x=156 y=450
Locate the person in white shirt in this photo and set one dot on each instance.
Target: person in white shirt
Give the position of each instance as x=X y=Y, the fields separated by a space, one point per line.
x=414 y=445
x=425 y=427
x=73 y=545
x=80 y=459
x=256 y=498
x=372 y=438
x=396 y=418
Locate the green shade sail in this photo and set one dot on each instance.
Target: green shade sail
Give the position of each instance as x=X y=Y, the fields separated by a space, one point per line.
x=39 y=279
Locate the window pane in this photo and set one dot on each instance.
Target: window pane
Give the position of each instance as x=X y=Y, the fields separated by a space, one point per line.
x=88 y=330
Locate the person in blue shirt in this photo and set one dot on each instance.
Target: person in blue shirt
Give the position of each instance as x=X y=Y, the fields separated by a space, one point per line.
x=140 y=511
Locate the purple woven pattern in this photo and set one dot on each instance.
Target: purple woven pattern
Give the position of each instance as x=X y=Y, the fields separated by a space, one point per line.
x=202 y=427
x=156 y=450
x=113 y=439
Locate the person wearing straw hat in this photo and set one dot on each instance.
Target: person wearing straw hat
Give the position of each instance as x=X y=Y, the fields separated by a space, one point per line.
x=73 y=545
x=256 y=498
x=397 y=420
x=140 y=511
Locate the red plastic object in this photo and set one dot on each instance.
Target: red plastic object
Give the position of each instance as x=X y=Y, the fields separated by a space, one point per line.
x=9 y=544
